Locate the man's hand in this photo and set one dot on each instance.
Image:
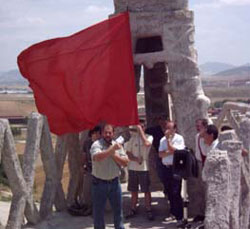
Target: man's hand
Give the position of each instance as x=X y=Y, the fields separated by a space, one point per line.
x=168 y=134
x=143 y=137
x=116 y=146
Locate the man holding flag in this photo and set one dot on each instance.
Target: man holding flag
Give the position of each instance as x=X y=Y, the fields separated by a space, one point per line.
x=107 y=158
x=83 y=79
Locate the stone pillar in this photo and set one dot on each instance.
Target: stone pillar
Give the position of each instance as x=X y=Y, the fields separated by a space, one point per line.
x=74 y=162
x=2 y=130
x=244 y=135
x=49 y=165
x=60 y=154
x=137 y=77
x=216 y=174
x=233 y=149
x=156 y=98
x=14 y=173
x=189 y=101
x=32 y=148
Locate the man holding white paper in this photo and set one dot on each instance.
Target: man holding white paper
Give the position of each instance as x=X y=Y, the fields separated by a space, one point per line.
x=168 y=144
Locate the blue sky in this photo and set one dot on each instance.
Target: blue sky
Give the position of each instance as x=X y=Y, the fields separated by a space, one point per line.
x=222 y=26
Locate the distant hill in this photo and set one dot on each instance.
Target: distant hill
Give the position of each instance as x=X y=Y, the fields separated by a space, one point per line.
x=235 y=77
x=242 y=71
x=12 y=78
x=211 y=68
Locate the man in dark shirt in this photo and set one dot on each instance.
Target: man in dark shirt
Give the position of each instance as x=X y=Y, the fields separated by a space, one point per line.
x=158 y=132
x=94 y=134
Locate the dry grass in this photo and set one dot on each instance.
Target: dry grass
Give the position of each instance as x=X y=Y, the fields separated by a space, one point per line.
x=40 y=179
x=232 y=93
x=16 y=106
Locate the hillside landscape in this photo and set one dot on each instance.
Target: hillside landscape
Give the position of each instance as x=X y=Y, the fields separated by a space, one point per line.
x=211 y=68
x=209 y=71
x=12 y=78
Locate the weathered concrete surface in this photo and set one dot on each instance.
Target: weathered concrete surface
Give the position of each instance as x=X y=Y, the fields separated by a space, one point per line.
x=74 y=162
x=49 y=165
x=60 y=155
x=216 y=173
x=32 y=149
x=62 y=220
x=14 y=173
x=233 y=149
x=241 y=127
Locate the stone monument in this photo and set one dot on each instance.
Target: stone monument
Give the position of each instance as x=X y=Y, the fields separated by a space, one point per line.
x=163 y=44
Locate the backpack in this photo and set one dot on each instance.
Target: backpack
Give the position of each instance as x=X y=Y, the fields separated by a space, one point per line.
x=185 y=164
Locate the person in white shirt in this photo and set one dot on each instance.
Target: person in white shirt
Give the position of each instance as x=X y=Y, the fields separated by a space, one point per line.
x=200 y=146
x=137 y=149
x=168 y=144
x=211 y=138
x=200 y=155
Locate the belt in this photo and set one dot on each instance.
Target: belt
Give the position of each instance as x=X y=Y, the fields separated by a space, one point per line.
x=105 y=181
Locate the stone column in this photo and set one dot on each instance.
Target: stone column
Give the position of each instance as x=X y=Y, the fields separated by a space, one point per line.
x=49 y=165
x=156 y=97
x=189 y=101
x=216 y=174
x=60 y=154
x=32 y=148
x=233 y=149
x=74 y=162
x=137 y=77
x=244 y=135
x=14 y=173
x=2 y=130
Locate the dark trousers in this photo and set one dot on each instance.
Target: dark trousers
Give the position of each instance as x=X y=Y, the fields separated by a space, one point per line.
x=160 y=169
x=101 y=192
x=173 y=188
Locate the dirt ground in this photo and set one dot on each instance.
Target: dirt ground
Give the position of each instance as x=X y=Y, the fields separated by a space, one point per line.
x=63 y=220
x=16 y=105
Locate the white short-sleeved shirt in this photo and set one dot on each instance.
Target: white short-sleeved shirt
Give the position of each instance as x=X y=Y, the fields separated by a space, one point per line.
x=136 y=146
x=213 y=146
x=177 y=142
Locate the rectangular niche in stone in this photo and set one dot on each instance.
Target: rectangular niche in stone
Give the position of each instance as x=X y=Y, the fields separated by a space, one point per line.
x=149 y=44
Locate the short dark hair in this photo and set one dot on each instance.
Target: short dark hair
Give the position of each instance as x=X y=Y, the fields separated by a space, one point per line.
x=203 y=121
x=95 y=129
x=107 y=124
x=142 y=120
x=212 y=129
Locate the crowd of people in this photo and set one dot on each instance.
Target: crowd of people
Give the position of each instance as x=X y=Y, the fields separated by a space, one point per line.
x=103 y=158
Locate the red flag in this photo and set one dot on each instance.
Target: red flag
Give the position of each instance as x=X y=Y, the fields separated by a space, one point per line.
x=84 y=78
